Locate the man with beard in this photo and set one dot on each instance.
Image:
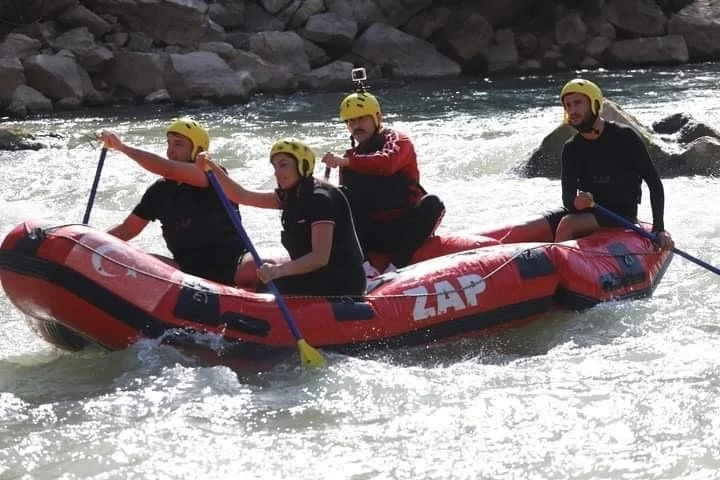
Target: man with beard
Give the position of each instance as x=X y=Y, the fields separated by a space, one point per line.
x=394 y=215
x=603 y=162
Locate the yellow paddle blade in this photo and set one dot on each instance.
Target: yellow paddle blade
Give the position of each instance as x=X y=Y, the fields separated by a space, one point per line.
x=309 y=357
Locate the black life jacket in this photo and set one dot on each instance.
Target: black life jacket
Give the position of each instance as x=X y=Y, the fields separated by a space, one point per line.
x=376 y=193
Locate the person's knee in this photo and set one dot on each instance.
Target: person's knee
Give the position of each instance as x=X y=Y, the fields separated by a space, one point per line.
x=431 y=210
x=575 y=226
x=564 y=230
x=432 y=206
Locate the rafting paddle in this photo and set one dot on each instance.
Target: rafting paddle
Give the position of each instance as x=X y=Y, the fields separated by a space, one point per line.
x=96 y=181
x=628 y=224
x=309 y=357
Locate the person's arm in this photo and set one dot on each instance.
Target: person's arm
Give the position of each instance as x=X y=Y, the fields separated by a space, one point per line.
x=568 y=180
x=129 y=228
x=322 y=235
x=647 y=171
x=183 y=172
x=234 y=191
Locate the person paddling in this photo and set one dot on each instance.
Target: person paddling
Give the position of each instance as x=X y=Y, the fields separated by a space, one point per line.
x=195 y=225
x=318 y=231
x=604 y=162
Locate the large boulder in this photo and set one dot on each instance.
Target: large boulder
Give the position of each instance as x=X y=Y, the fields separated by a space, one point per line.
x=699 y=24
x=12 y=75
x=81 y=43
x=173 y=22
x=670 y=49
x=137 y=74
x=58 y=76
x=637 y=18
x=333 y=76
x=81 y=16
x=702 y=157
x=204 y=75
x=26 y=100
x=367 y=12
x=281 y=48
x=330 y=30
x=19 y=45
x=402 y=56
x=268 y=76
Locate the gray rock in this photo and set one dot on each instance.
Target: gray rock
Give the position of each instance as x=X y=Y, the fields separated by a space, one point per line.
x=26 y=100
x=700 y=31
x=281 y=48
x=19 y=45
x=330 y=30
x=693 y=130
x=80 y=16
x=333 y=76
x=671 y=124
x=317 y=56
x=205 y=76
x=670 y=49
x=268 y=76
x=258 y=20
x=81 y=43
x=57 y=76
x=638 y=18
x=228 y=13
x=401 y=56
x=12 y=75
x=224 y=49
x=138 y=74
x=160 y=96
x=700 y=158
x=571 y=29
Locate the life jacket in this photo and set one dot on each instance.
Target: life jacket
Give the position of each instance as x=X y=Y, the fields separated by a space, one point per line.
x=196 y=219
x=297 y=219
x=378 y=193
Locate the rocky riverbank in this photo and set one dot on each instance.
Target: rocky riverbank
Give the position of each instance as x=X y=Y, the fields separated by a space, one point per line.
x=68 y=54
x=58 y=55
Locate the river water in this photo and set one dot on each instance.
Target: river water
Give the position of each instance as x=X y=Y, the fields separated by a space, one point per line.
x=624 y=390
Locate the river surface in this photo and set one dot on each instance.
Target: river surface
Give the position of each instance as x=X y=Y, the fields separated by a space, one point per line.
x=625 y=390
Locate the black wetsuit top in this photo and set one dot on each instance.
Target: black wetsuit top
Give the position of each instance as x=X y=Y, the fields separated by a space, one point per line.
x=196 y=228
x=612 y=168
x=303 y=206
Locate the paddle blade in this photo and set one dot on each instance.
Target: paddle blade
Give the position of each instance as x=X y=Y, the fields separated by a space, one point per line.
x=309 y=357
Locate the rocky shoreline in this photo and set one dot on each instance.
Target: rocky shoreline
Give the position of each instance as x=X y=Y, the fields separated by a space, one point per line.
x=69 y=54
x=60 y=55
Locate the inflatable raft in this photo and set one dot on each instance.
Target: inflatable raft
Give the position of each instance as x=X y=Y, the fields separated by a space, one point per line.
x=78 y=286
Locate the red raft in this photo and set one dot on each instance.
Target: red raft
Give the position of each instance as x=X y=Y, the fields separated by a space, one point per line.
x=77 y=285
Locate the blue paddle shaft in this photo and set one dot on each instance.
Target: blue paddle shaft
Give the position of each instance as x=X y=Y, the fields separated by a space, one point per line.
x=96 y=181
x=628 y=224
x=235 y=217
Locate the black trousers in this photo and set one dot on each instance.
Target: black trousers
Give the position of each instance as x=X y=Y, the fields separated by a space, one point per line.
x=401 y=236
